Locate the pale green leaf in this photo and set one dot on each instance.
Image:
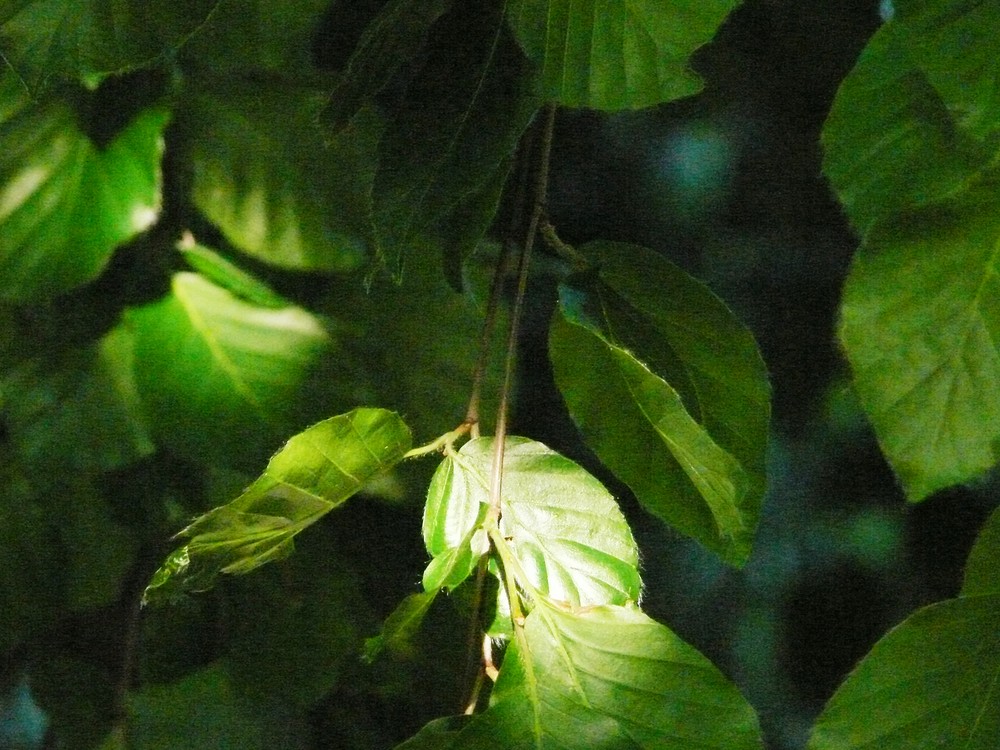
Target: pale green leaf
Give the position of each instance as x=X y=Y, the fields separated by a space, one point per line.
x=264 y=176
x=436 y=162
x=392 y=40
x=920 y=322
x=982 y=570
x=65 y=204
x=604 y=677
x=88 y=39
x=223 y=272
x=316 y=471
x=906 y=150
x=563 y=526
x=953 y=43
x=669 y=389
x=931 y=682
x=221 y=378
x=616 y=55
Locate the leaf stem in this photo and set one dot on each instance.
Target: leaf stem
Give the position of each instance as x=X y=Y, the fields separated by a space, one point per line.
x=440 y=443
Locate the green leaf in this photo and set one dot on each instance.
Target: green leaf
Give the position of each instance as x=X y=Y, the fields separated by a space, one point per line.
x=564 y=528
x=316 y=471
x=931 y=682
x=264 y=176
x=906 y=151
x=606 y=677
x=392 y=40
x=50 y=400
x=88 y=39
x=951 y=41
x=400 y=628
x=616 y=55
x=65 y=204
x=982 y=570
x=920 y=324
x=434 y=161
x=220 y=270
x=222 y=378
x=439 y=734
x=669 y=389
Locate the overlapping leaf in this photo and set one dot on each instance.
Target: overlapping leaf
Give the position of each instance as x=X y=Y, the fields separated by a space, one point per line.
x=264 y=175
x=906 y=151
x=931 y=682
x=982 y=570
x=65 y=204
x=439 y=160
x=86 y=40
x=616 y=55
x=603 y=677
x=669 y=390
x=920 y=324
x=316 y=471
x=222 y=378
x=564 y=528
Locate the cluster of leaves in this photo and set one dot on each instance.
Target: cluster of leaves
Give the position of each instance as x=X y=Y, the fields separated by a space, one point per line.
x=292 y=158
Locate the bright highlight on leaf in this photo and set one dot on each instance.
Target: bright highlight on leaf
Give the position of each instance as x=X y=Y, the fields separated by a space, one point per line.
x=669 y=390
x=616 y=54
x=65 y=204
x=316 y=471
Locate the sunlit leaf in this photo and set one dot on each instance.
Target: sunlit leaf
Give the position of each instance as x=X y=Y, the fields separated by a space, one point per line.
x=669 y=389
x=221 y=378
x=952 y=42
x=219 y=270
x=565 y=529
x=616 y=55
x=603 y=677
x=316 y=471
x=392 y=40
x=920 y=323
x=434 y=160
x=982 y=570
x=264 y=175
x=88 y=39
x=906 y=150
x=931 y=682
x=65 y=204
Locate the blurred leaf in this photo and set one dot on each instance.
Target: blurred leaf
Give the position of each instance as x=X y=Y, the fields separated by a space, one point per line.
x=77 y=695
x=931 y=682
x=564 y=528
x=241 y=36
x=316 y=471
x=49 y=402
x=392 y=40
x=263 y=174
x=400 y=628
x=229 y=276
x=906 y=151
x=616 y=55
x=919 y=322
x=669 y=389
x=88 y=39
x=602 y=677
x=952 y=43
x=982 y=571
x=435 y=161
x=220 y=377
x=65 y=204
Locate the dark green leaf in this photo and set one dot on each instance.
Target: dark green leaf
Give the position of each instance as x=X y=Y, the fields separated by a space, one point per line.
x=606 y=677
x=439 y=734
x=316 y=471
x=616 y=55
x=88 y=39
x=391 y=41
x=221 y=378
x=931 y=682
x=400 y=628
x=906 y=150
x=669 y=390
x=263 y=174
x=564 y=528
x=65 y=204
x=952 y=43
x=434 y=161
x=982 y=570
x=920 y=323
